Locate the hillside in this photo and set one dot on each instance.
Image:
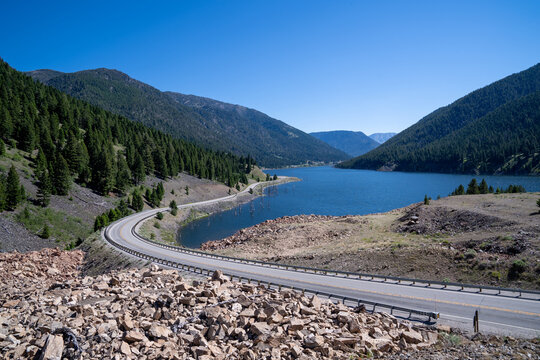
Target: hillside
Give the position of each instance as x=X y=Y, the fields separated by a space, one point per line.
x=495 y=129
x=382 y=137
x=209 y=123
x=354 y=143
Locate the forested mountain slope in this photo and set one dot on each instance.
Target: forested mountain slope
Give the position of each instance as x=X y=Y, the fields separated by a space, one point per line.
x=354 y=143
x=210 y=123
x=495 y=129
x=70 y=139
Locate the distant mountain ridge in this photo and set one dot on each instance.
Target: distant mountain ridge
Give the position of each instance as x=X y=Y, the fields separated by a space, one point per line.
x=207 y=122
x=354 y=143
x=495 y=129
x=382 y=137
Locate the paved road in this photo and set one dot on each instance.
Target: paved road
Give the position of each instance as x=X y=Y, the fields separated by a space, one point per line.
x=502 y=314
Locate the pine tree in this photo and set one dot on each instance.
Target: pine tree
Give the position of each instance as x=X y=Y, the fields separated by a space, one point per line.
x=122 y=208
x=61 y=179
x=13 y=189
x=472 y=188
x=41 y=164
x=173 y=205
x=123 y=175
x=139 y=172
x=2 y=148
x=6 y=125
x=44 y=189
x=426 y=200
x=73 y=154
x=483 y=187
x=137 y=202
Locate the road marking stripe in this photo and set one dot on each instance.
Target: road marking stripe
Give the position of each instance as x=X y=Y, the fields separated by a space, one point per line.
x=485 y=307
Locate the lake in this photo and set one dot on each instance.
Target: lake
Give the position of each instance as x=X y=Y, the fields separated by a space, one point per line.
x=329 y=191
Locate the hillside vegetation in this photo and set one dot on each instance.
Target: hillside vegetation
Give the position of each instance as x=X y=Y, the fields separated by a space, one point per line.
x=495 y=129
x=353 y=143
x=209 y=123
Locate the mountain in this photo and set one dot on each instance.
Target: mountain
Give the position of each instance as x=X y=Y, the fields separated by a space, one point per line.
x=353 y=143
x=495 y=129
x=382 y=137
x=210 y=123
x=74 y=140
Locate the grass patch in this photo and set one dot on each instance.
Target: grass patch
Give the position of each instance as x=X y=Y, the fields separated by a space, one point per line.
x=62 y=227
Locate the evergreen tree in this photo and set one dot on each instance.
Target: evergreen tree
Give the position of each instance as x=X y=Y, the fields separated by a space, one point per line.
x=426 y=200
x=483 y=187
x=6 y=125
x=472 y=188
x=41 y=164
x=139 y=172
x=122 y=208
x=44 y=189
x=2 y=148
x=275 y=177
x=13 y=189
x=123 y=175
x=137 y=202
x=73 y=154
x=173 y=205
x=61 y=179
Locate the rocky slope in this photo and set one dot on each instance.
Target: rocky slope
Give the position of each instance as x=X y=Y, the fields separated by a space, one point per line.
x=49 y=311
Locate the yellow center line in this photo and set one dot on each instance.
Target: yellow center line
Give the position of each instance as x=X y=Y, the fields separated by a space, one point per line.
x=485 y=307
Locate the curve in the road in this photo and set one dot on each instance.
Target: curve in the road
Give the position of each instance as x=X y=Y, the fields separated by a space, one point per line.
x=498 y=314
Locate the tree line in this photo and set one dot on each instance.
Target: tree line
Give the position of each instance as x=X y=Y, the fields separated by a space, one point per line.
x=474 y=188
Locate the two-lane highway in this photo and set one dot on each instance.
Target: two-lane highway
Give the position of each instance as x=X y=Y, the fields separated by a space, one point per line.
x=503 y=314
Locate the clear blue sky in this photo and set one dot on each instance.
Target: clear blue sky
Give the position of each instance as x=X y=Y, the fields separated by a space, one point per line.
x=373 y=66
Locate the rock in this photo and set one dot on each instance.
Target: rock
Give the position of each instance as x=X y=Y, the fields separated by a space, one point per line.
x=412 y=337
x=54 y=346
x=159 y=332
x=312 y=341
x=125 y=348
x=260 y=328
x=315 y=302
x=295 y=324
x=134 y=336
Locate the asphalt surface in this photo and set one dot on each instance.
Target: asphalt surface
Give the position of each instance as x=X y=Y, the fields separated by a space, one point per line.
x=503 y=314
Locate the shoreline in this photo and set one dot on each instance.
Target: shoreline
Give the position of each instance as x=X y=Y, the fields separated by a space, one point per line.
x=170 y=226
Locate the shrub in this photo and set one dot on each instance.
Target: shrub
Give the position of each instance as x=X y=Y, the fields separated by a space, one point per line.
x=496 y=275
x=157 y=225
x=516 y=269
x=470 y=254
x=174 y=212
x=45 y=233
x=159 y=216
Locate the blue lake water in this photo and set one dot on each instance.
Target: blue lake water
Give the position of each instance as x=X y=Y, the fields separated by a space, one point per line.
x=330 y=191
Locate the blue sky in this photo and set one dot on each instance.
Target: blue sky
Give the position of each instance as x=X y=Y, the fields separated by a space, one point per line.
x=373 y=66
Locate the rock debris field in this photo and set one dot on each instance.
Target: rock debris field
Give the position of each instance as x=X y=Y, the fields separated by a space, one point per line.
x=49 y=311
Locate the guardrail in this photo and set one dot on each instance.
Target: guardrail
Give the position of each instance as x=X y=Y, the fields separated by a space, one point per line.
x=338 y=273
x=269 y=285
